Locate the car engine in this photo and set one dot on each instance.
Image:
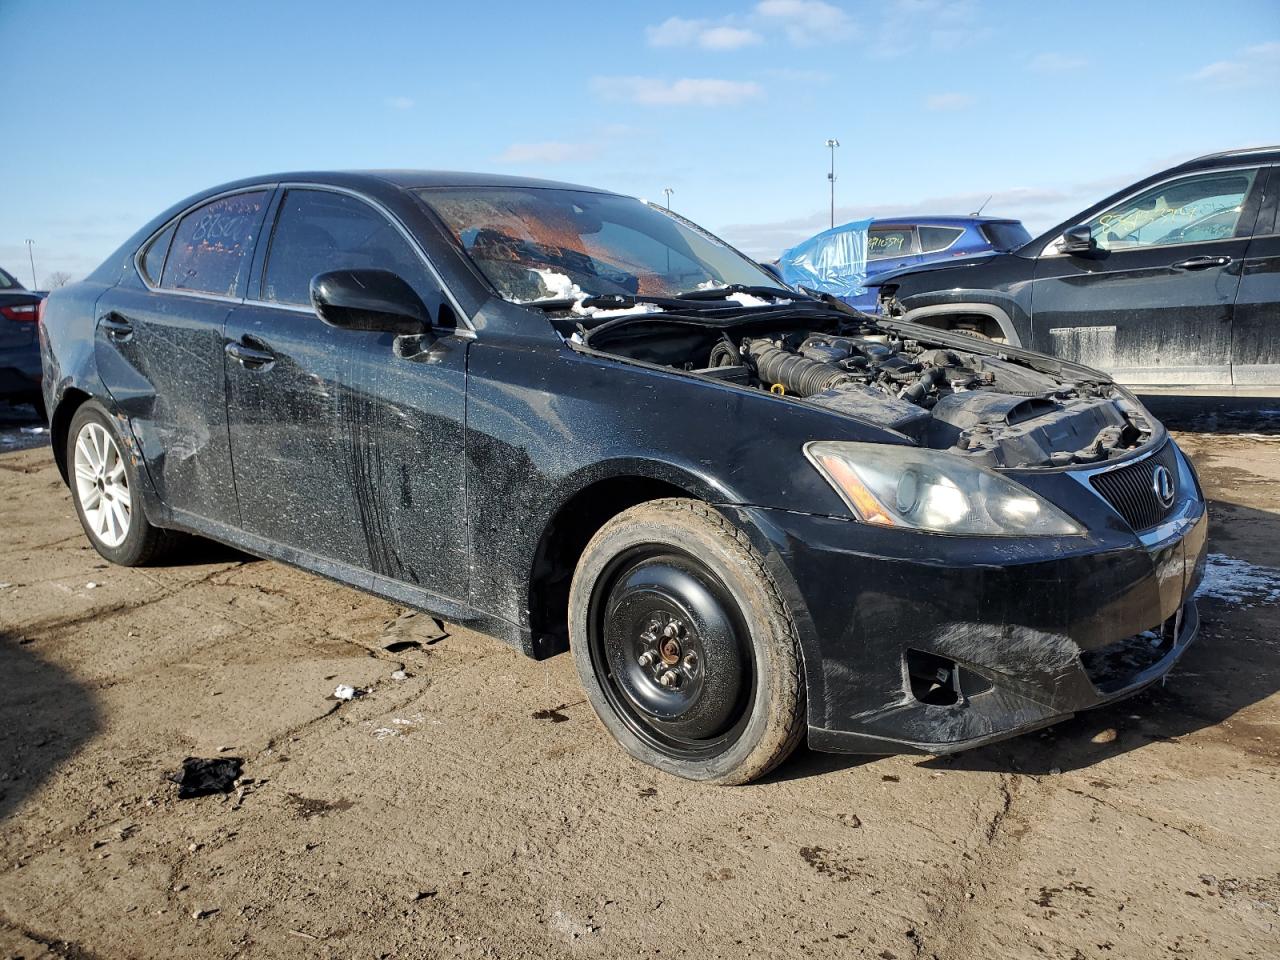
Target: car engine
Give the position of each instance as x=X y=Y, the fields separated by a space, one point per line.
x=1000 y=411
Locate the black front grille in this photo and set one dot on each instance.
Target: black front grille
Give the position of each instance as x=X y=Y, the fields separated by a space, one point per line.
x=1131 y=490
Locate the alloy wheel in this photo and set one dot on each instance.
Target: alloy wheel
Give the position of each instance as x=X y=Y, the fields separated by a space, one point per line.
x=102 y=485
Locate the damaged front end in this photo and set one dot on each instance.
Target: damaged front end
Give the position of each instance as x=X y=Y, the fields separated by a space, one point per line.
x=1074 y=529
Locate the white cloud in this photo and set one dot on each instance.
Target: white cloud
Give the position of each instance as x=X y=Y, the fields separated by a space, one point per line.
x=1051 y=62
x=400 y=103
x=547 y=152
x=680 y=32
x=674 y=32
x=1257 y=65
x=939 y=24
x=652 y=91
x=806 y=22
x=946 y=102
x=727 y=38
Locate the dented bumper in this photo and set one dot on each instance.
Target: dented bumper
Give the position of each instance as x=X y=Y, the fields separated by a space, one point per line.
x=925 y=643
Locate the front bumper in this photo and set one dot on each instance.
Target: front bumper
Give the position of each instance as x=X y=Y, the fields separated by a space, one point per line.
x=1024 y=632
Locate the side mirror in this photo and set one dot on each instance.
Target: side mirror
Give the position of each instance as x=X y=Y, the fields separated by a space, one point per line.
x=369 y=300
x=1078 y=240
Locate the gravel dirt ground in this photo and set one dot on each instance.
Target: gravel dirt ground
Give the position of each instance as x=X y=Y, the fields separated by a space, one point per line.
x=477 y=809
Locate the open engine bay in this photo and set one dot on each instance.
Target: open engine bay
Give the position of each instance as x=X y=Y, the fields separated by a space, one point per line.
x=980 y=401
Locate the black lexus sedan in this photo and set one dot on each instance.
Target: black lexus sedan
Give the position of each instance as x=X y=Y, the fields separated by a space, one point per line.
x=575 y=421
x=1171 y=282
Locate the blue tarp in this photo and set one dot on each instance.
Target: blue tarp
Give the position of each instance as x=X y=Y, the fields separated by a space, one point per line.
x=835 y=261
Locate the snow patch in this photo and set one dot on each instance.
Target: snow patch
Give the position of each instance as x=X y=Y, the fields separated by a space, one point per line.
x=1238 y=581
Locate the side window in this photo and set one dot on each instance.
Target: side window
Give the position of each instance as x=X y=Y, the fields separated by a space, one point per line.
x=211 y=245
x=886 y=242
x=157 y=250
x=934 y=239
x=1190 y=210
x=318 y=231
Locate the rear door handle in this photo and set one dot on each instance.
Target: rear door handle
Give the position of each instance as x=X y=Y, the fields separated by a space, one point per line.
x=1201 y=263
x=251 y=358
x=116 y=327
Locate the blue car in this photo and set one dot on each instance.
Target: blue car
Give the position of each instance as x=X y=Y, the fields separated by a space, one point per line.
x=840 y=260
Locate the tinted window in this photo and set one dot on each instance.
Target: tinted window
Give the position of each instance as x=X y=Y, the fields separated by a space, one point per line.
x=886 y=242
x=210 y=252
x=7 y=282
x=933 y=239
x=1190 y=210
x=1005 y=236
x=318 y=231
x=153 y=259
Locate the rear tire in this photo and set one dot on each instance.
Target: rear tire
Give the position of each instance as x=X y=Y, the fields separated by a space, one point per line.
x=104 y=488
x=684 y=645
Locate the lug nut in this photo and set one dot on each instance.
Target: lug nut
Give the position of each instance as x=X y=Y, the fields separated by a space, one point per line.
x=668 y=678
x=647 y=658
x=690 y=661
x=671 y=630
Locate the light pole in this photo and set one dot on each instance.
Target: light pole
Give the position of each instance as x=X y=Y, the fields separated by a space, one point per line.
x=32 y=258
x=831 y=177
x=668 y=191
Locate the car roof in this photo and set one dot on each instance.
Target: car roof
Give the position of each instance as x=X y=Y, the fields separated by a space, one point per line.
x=406 y=180
x=1269 y=154
x=941 y=221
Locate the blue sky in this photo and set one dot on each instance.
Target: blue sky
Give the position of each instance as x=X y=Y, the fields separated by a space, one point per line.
x=115 y=110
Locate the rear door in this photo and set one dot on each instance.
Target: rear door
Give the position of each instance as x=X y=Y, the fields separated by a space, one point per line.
x=890 y=246
x=1255 y=330
x=342 y=449
x=158 y=346
x=1154 y=303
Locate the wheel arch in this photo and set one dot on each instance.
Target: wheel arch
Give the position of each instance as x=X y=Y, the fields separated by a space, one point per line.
x=569 y=529
x=943 y=315
x=60 y=423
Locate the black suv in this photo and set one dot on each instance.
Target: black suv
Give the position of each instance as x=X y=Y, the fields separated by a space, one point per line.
x=1173 y=281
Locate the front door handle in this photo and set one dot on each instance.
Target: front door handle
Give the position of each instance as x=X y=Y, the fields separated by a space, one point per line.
x=251 y=358
x=1201 y=263
x=116 y=327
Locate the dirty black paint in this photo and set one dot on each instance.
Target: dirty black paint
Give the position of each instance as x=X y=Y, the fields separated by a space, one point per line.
x=439 y=479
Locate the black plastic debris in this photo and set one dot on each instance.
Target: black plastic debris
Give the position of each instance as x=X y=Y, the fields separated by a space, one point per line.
x=199 y=777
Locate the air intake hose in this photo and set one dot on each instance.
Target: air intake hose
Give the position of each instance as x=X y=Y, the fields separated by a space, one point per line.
x=799 y=375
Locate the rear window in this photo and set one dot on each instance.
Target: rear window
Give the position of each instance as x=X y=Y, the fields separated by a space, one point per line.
x=1005 y=236
x=934 y=239
x=8 y=283
x=886 y=242
x=211 y=245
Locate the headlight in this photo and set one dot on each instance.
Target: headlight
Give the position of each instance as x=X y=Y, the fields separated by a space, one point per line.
x=900 y=486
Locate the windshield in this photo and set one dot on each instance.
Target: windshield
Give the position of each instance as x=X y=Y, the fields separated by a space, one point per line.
x=537 y=243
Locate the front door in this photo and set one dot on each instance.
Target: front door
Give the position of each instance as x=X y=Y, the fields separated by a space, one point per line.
x=158 y=346
x=1153 y=303
x=343 y=450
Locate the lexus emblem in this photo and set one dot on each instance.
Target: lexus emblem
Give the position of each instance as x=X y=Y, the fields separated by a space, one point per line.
x=1162 y=484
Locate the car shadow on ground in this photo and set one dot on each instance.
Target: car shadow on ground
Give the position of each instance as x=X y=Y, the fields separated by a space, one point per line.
x=45 y=718
x=1193 y=413
x=1233 y=664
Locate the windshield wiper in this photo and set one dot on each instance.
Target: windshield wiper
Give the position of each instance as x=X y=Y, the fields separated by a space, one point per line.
x=615 y=301
x=722 y=293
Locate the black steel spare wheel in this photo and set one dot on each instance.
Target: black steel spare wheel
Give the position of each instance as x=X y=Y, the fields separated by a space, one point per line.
x=671 y=653
x=684 y=645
